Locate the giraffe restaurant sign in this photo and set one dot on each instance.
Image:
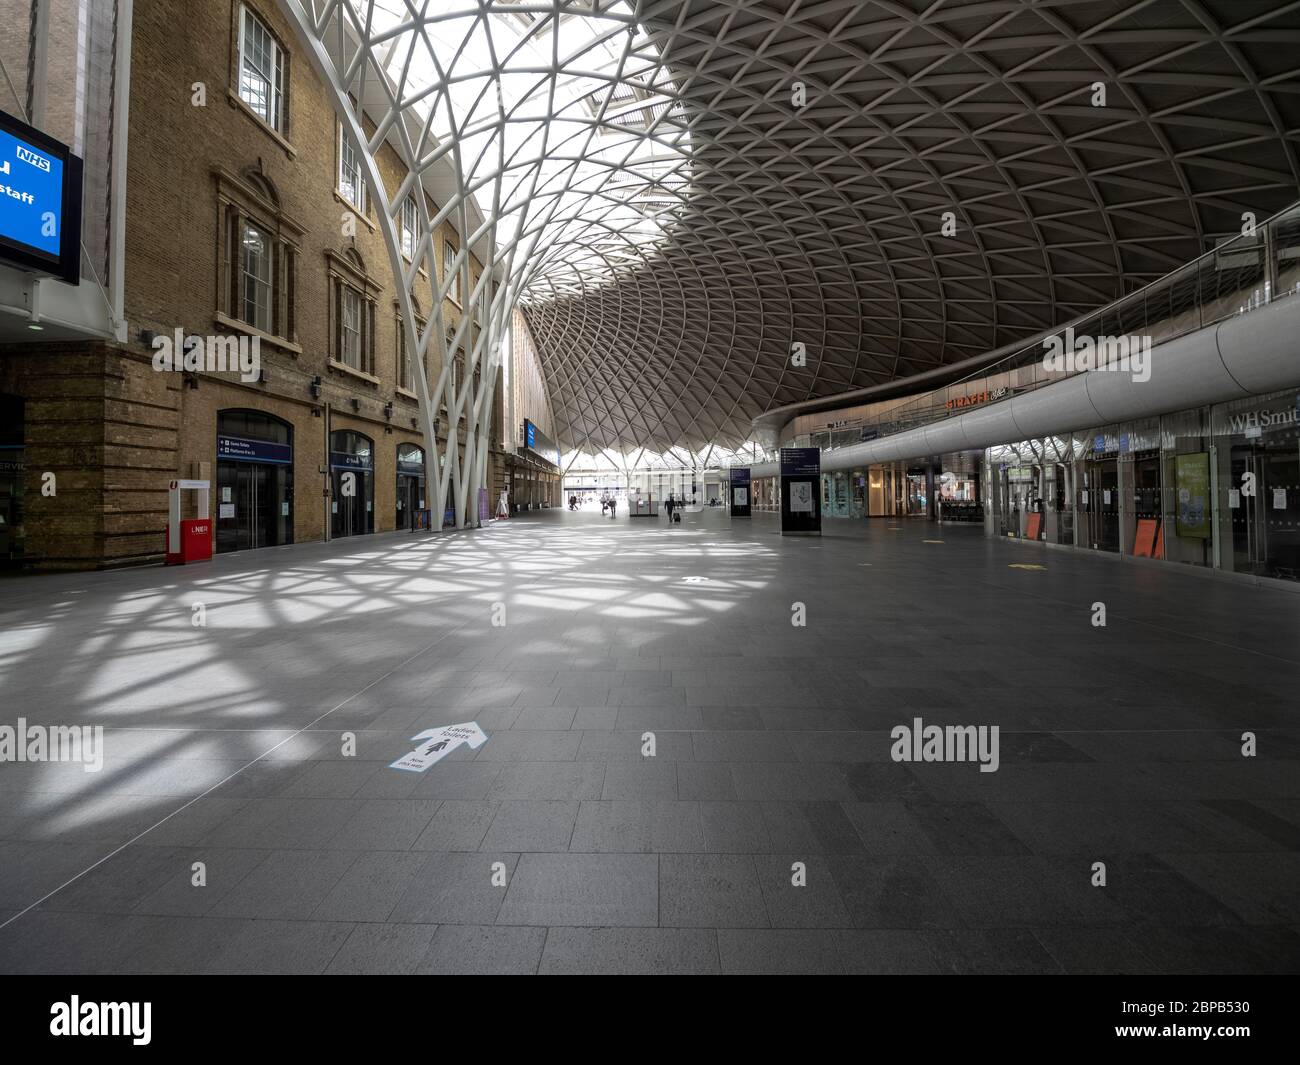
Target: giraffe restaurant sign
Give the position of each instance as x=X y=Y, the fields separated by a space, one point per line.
x=976 y=398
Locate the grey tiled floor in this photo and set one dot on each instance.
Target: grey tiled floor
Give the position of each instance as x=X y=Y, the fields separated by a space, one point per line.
x=560 y=847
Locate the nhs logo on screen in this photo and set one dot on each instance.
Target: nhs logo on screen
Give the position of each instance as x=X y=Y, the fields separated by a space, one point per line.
x=31 y=196
x=29 y=156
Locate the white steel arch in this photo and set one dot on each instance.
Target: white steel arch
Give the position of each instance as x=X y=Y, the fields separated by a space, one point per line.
x=513 y=116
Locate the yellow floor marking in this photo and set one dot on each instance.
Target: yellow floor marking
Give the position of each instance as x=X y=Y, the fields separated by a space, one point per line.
x=1025 y=565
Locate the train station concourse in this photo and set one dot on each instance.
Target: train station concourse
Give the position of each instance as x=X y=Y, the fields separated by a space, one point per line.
x=629 y=487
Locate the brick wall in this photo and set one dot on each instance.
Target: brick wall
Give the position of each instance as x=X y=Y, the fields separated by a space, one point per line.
x=114 y=430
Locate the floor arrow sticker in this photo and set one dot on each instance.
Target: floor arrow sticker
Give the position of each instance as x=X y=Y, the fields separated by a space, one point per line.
x=436 y=743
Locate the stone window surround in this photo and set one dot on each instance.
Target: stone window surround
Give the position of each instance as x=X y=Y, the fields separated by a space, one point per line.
x=344 y=272
x=238 y=201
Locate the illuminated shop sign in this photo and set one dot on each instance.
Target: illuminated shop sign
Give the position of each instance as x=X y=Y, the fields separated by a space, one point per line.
x=976 y=398
x=40 y=202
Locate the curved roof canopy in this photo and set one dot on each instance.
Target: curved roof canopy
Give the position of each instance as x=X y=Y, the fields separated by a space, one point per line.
x=689 y=193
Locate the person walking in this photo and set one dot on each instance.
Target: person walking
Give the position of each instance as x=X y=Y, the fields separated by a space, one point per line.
x=668 y=506
x=613 y=506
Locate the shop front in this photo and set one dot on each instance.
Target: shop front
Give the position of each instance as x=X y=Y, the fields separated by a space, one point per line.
x=1214 y=487
x=352 y=476
x=858 y=493
x=957 y=489
x=835 y=495
x=1257 y=495
x=254 y=488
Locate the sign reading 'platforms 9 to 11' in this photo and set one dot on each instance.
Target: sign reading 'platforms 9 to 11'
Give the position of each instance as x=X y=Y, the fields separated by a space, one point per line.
x=40 y=202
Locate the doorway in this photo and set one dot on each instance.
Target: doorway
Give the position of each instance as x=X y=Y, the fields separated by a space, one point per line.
x=410 y=488
x=1058 y=487
x=1099 y=503
x=408 y=502
x=352 y=475
x=351 y=511
x=249 y=510
x=1265 y=509
x=254 y=481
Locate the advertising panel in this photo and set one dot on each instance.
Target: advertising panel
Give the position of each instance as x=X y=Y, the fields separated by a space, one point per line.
x=1192 y=483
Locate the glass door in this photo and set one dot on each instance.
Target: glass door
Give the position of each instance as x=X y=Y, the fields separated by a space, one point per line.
x=408 y=501
x=351 y=511
x=247 y=513
x=1265 y=487
x=1058 y=486
x=1099 y=503
x=1147 y=499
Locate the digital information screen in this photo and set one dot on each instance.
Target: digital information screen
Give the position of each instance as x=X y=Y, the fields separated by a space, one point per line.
x=539 y=442
x=40 y=202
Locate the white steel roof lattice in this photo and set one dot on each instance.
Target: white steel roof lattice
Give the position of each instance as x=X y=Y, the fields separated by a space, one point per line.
x=671 y=223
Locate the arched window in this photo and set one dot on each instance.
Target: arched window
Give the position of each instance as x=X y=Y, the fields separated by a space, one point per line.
x=254 y=425
x=259 y=256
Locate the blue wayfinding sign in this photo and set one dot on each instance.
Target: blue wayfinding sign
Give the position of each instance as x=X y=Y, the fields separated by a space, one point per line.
x=740 y=486
x=801 y=462
x=40 y=201
x=241 y=449
x=342 y=460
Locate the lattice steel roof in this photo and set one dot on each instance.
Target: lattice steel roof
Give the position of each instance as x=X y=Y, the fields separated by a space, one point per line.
x=673 y=217
x=821 y=224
